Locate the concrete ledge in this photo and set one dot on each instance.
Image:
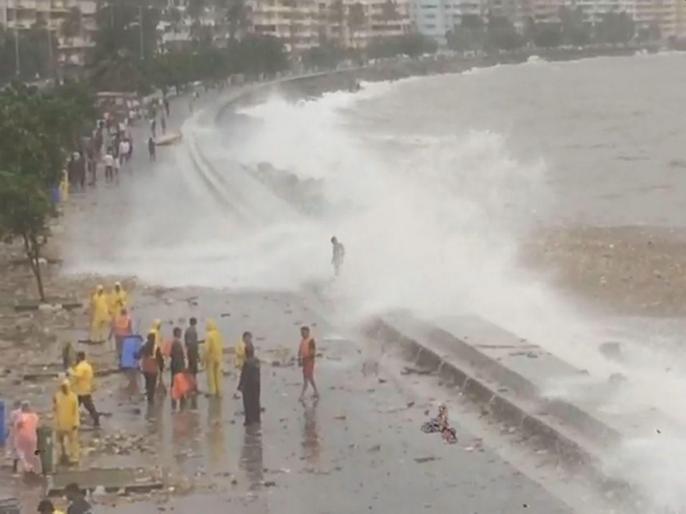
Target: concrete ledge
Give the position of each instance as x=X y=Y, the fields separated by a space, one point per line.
x=527 y=416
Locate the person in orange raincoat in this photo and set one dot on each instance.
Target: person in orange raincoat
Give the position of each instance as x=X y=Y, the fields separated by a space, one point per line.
x=26 y=439
x=306 y=356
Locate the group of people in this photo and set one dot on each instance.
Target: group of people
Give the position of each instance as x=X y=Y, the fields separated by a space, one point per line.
x=111 y=143
x=74 y=391
x=108 y=311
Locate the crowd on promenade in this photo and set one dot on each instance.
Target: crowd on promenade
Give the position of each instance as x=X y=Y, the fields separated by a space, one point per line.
x=110 y=146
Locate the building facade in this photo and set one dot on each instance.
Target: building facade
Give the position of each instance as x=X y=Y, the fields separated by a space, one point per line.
x=304 y=24
x=72 y=22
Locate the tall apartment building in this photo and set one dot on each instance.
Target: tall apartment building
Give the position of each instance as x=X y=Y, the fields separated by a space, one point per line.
x=303 y=24
x=22 y=15
x=436 y=18
x=660 y=13
x=297 y=23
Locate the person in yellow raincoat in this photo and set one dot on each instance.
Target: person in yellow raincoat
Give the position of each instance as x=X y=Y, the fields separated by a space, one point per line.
x=159 y=345
x=118 y=299
x=100 y=316
x=239 y=358
x=214 y=352
x=82 y=384
x=64 y=187
x=66 y=406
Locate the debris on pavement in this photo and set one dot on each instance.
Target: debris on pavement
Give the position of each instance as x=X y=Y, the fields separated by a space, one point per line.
x=441 y=424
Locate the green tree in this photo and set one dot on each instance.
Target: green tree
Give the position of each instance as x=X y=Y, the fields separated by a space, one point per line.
x=126 y=27
x=615 y=28
x=357 y=19
x=469 y=35
x=36 y=131
x=574 y=30
x=548 y=35
x=237 y=18
x=325 y=56
x=502 y=35
x=389 y=11
x=72 y=24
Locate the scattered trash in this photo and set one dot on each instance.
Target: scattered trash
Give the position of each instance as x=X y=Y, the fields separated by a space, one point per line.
x=375 y=448
x=422 y=460
x=341 y=417
x=441 y=424
x=414 y=371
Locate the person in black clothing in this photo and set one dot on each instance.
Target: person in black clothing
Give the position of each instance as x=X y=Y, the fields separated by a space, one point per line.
x=192 y=347
x=77 y=503
x=177 y=362
x=151 y=149
x=151 y=360
x=249 y=386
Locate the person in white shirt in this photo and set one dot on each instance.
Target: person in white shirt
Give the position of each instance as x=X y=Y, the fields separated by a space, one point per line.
x=108 y=161
x=123 y=151
x=117 y=165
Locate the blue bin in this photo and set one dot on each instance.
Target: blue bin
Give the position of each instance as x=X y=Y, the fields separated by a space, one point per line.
x=130 y=349
x=3 y=428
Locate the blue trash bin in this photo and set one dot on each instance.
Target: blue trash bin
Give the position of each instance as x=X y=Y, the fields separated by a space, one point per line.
x=3 y=428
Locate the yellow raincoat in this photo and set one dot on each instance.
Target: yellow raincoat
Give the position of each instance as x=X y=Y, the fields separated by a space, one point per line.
x=118 y=299
x=67 y=421
x=239 y=359
x=100 y=316
x=157 y=330
x=82 y=378
x=214 y=353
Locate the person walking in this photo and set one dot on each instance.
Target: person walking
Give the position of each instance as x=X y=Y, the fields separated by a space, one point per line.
x=12 y=436
x=163 y=124
x=249 y=386
x=108 y=161
x=151 y=361
x=159 y=346
x=118 y=298
x=152 y=150
x=123 y=151
x=165 y=102
x=306 y=356
x=122 y=326
x=100 y=316
x=214 y=352
x=338 y=254
x=67 y=421
x=26 y=438
x=82 y=384
x=190 y=338
x=177 y=361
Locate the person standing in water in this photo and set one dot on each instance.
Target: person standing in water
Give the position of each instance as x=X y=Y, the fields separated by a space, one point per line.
x=338 y=255
x=249 y=385
x=306 y=355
